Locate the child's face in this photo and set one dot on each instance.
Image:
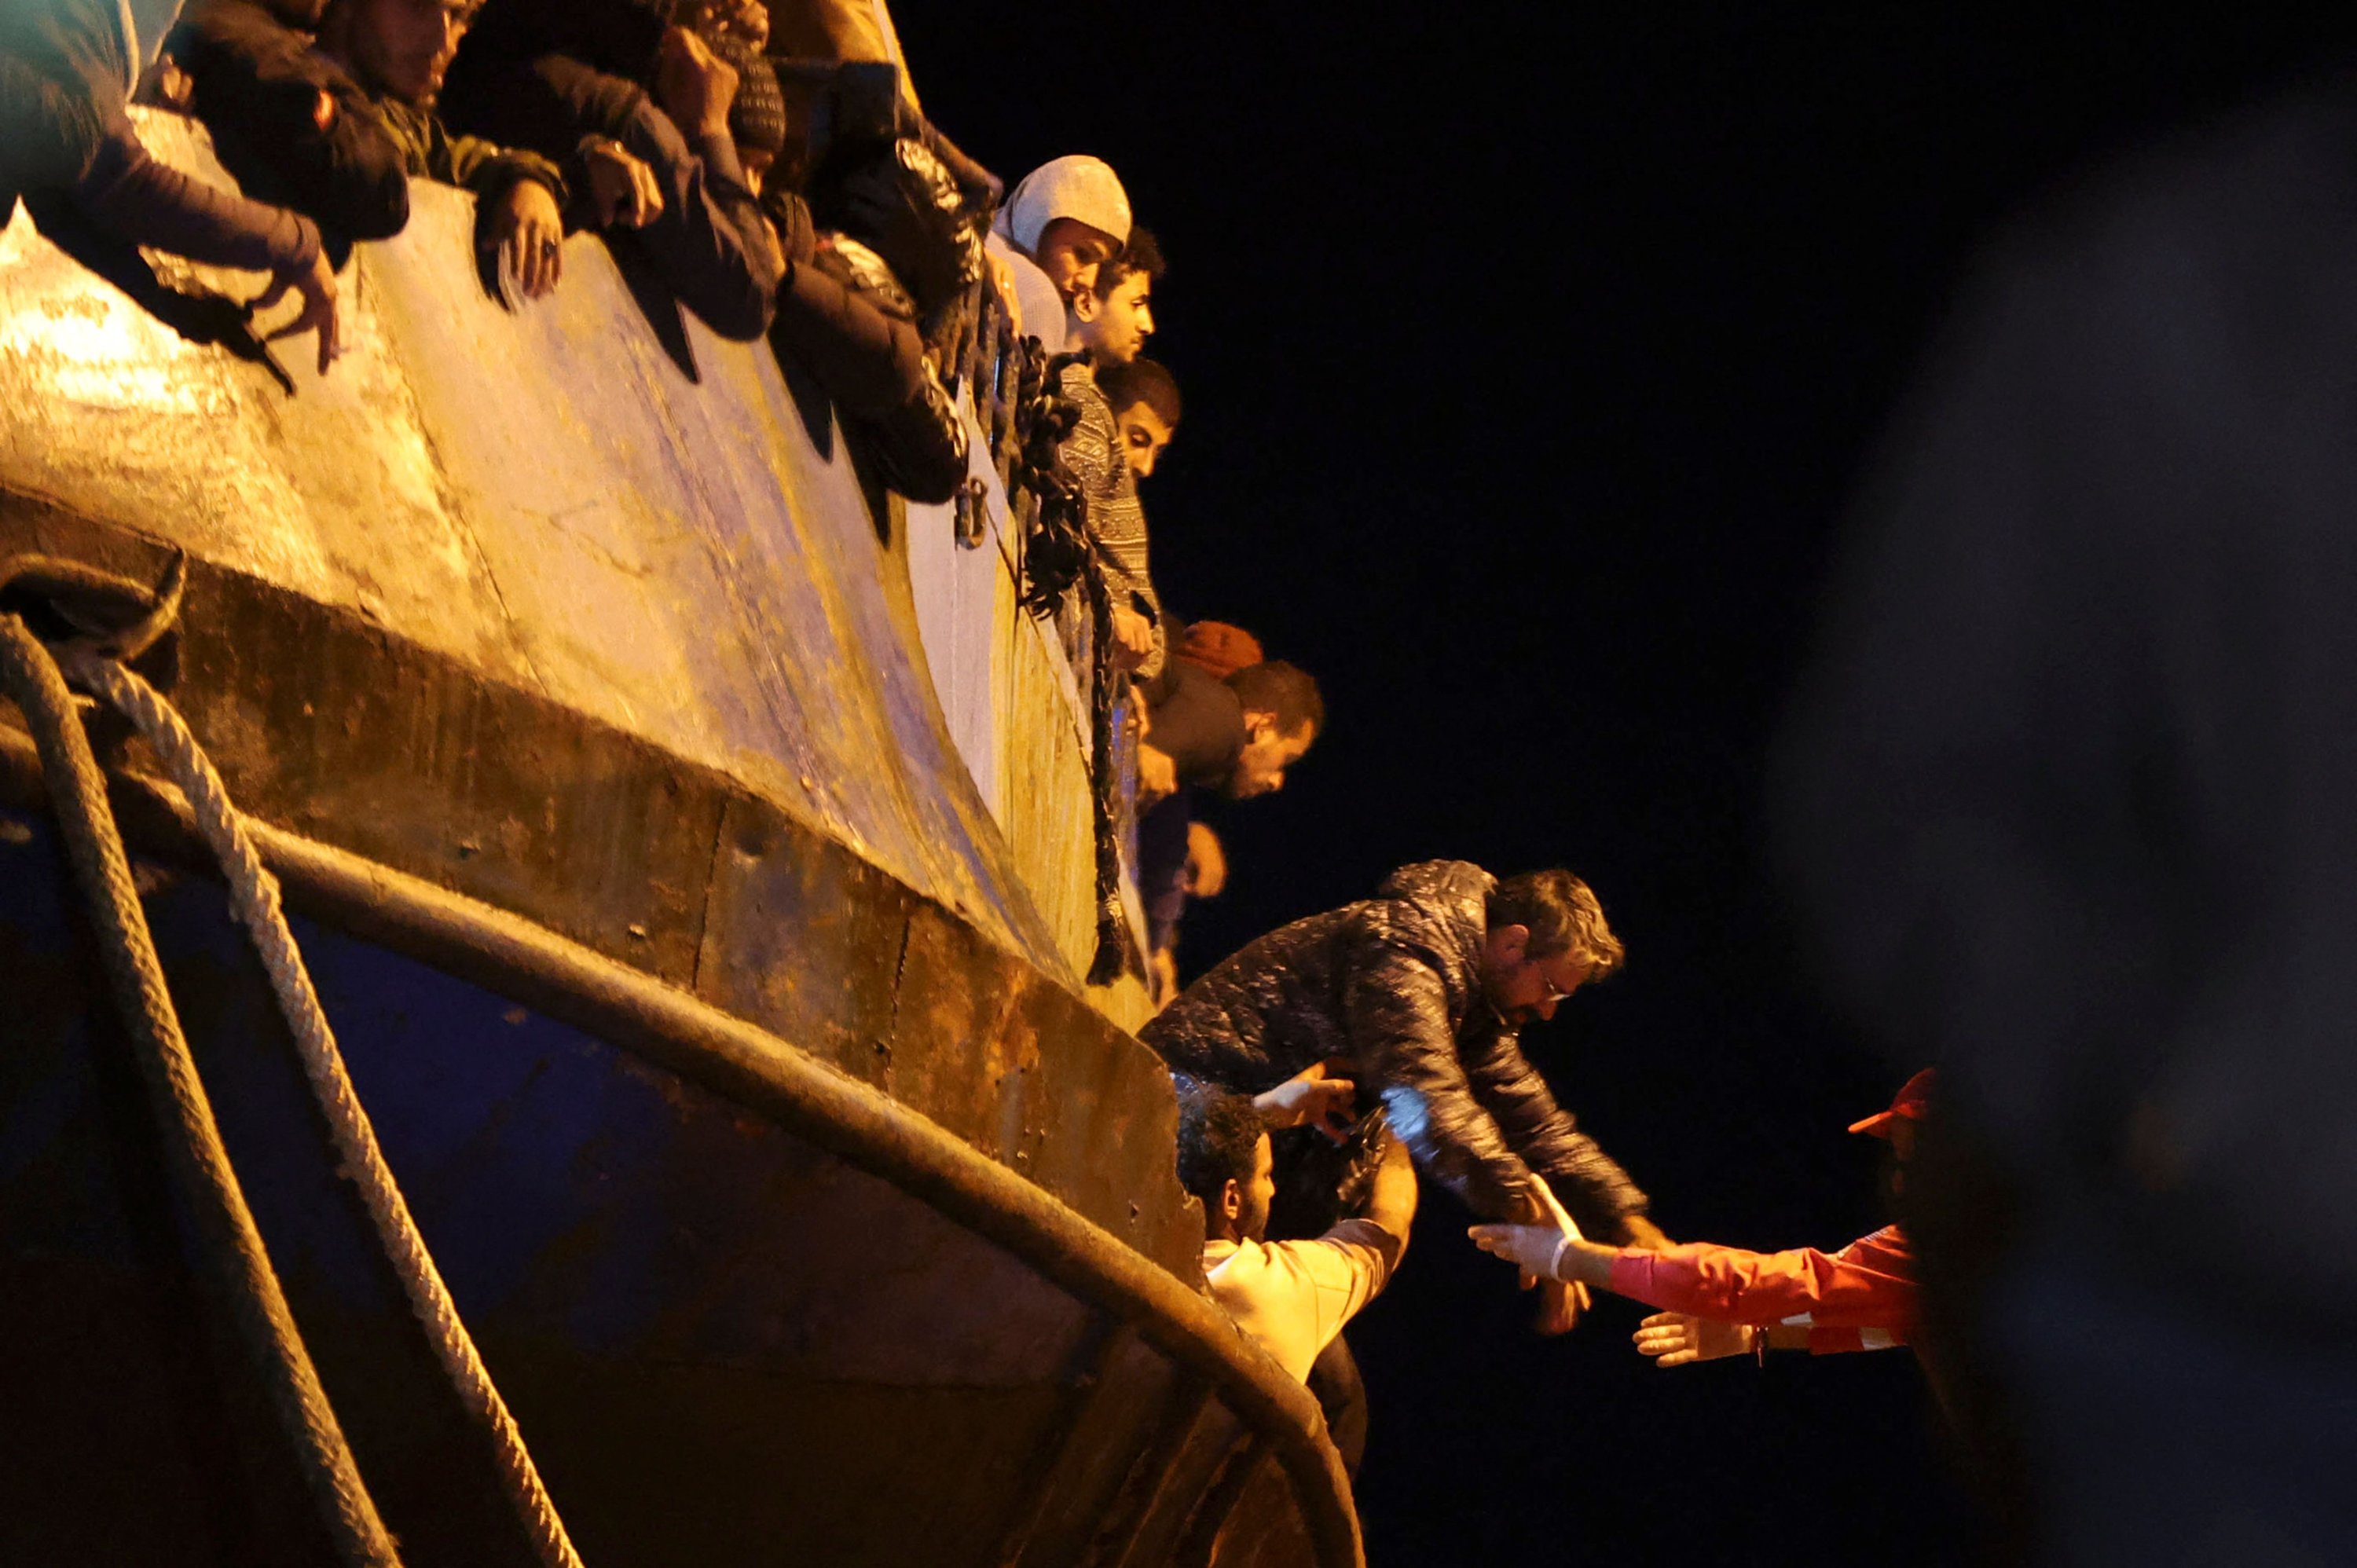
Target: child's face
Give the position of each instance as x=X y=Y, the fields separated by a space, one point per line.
x=1143 y=436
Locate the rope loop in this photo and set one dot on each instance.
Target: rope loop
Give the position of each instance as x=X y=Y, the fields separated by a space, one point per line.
x=253 y=896
x=230 y=1255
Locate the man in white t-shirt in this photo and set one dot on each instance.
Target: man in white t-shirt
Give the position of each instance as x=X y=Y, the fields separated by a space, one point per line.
x=1292 y=1297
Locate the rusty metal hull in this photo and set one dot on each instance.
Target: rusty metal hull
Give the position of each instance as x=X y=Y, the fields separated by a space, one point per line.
x=726 y=1341
x=806 y=1206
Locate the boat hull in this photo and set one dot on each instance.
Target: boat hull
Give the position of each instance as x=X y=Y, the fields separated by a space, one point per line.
x=724 y=1342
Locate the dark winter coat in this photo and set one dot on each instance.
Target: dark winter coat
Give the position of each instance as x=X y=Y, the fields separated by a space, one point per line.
x=709 y=244
x=287 y=121
x=1394 y=985
x=64 y=134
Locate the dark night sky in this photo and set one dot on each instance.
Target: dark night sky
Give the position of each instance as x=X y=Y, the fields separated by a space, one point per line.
x=1529 y=359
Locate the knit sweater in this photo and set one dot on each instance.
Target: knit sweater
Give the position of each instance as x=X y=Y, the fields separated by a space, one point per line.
x=1116 y=522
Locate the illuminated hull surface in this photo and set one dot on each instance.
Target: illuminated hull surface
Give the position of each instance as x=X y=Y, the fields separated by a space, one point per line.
x=805 y=1206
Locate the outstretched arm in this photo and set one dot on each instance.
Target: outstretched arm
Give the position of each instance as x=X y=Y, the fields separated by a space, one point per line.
x=1869 y=1284
x=1392 y=1203
x=1397 y=1008
x=1678 y=1338
x=1591 y=1182
x=1322 y=1095
x=281 y=113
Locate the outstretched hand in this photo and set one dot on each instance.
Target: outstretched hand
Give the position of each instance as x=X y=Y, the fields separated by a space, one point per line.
x=1551 y=1249
x=695 y=86
x=1560 y=1305
x=1320 y=1096
x=315 y=284
x=1002 y=282
x=1157 y=775
x=1674 y=1338
x=1133 y=636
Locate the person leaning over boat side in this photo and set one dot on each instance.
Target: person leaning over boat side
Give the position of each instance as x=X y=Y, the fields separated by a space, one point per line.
x=1109 y=322
x=844 y=316
x=66 y=133
x=1238 y=736
x=1425 y=990
x=1058 y=223
x=1724 y=1301
x=398 y=51
x=1291 y=1297
x=285 y=120
x=1144 y=397
x=715 y=108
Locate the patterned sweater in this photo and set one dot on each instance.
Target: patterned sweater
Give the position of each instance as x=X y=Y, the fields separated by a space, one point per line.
x=1116 y=522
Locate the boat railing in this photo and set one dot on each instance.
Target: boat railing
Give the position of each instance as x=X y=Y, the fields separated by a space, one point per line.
x=1019 y=690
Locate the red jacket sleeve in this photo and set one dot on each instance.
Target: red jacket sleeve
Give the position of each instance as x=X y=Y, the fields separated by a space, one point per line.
x=1869 y=1284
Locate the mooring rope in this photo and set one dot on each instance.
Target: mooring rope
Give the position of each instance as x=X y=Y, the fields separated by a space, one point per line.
x=254 y=896
x=233 y=1250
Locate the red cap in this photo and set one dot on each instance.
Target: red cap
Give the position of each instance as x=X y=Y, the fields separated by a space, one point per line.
x=1914 y=1098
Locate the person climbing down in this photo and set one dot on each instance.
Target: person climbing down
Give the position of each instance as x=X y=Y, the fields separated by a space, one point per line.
x=1426 y=989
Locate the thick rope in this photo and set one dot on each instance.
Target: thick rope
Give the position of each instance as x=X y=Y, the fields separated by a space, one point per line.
x=232 y=1253
x=253 y=894
x=1106 y=962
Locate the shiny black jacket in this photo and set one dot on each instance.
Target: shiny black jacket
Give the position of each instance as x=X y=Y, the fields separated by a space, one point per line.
x=1393 y=984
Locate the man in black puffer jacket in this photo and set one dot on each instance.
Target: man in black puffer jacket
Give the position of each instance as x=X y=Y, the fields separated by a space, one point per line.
x=1424 y=990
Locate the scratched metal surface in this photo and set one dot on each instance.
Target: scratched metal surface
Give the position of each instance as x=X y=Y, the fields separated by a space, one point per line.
x=723 y=1343
x=510 y=605
x=547 y=496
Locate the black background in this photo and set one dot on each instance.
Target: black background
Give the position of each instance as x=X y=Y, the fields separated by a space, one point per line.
x=1529 y=357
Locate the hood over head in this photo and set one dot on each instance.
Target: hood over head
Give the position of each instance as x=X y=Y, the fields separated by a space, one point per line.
x=1076 y=187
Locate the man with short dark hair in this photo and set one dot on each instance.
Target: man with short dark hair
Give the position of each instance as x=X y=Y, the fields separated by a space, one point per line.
x=1238 y=736
x=1111 y=319
x=1424 y=989
x=398 y=51
x=1293 y=1296
x=285 y=120
x=1144 y=397
x=1109 y=323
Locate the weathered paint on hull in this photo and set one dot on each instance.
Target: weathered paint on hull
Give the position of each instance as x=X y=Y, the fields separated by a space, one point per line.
x=512 y=604
x=724 y=1344
x=581 y=619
